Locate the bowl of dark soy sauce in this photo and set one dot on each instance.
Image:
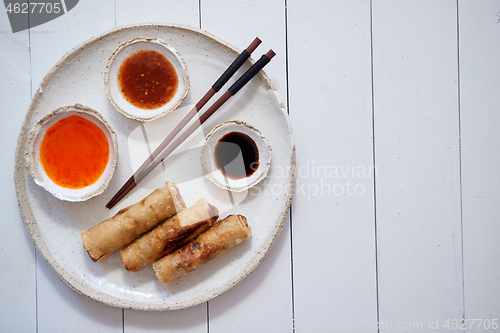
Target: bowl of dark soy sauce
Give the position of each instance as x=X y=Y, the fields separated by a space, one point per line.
x=236 y=156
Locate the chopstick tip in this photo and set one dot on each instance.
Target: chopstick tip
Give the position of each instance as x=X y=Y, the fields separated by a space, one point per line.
x=270 y=54
x=256 y=42
x=111 y=203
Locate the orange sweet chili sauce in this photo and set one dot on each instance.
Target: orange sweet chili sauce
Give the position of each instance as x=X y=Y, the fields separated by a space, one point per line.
x=74 y=152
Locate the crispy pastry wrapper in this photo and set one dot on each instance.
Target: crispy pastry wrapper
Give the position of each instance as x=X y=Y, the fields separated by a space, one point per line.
x=220 y=237
x=111 y=235
x=168 y=236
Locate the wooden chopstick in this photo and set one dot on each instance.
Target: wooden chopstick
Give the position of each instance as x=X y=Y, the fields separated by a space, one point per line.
x=221 y=81
x=158 y=156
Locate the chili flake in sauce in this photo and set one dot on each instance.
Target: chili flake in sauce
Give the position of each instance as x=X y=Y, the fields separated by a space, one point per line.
x=147 y=79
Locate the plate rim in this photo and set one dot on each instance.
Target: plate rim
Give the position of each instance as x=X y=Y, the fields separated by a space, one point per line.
x=30 y=220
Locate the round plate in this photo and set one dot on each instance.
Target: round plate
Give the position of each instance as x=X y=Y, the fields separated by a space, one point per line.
x=54 y=225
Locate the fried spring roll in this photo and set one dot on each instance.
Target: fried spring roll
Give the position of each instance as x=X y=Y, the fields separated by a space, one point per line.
x=111 y=235
x=168 y=236
x=220 y=237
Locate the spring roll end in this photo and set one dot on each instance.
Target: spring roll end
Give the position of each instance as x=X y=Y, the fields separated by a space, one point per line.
x=90 y=250
x=244 y=223
x=176 y=196
x=213 y=211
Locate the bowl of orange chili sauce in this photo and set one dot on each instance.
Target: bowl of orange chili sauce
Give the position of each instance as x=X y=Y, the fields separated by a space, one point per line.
x=146 y=78
x=72 y=153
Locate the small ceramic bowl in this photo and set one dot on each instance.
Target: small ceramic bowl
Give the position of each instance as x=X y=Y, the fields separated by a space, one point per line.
x=36 y=169
x=222 y=179
x=112 y=84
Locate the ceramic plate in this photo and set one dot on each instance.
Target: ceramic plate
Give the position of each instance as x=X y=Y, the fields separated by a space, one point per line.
x=55 y=225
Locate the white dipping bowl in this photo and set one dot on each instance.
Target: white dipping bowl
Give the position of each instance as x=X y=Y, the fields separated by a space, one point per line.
x=112 y=86
x=35 y=167
x=208 y=159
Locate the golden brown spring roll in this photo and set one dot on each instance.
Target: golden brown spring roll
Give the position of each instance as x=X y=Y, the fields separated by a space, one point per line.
x=220 y=237
x=111 y=235
x=170 y=235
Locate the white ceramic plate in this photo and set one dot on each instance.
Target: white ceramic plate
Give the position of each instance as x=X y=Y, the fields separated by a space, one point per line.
x=55 y=225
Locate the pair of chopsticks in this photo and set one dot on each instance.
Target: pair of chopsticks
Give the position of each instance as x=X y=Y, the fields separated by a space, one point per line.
x=161 y=153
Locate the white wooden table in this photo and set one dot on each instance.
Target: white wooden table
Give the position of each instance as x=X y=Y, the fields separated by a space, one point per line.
x=410 y=89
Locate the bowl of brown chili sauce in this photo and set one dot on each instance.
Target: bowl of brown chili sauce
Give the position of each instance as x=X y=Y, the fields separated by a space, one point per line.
x=146 y=78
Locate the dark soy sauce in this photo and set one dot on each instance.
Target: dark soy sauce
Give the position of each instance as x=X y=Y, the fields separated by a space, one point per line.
x=236 y=155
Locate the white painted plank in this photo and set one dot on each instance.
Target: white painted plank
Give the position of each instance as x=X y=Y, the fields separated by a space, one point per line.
x=186 y=320
x=479 y=24
x=186 y=12
x=159 y=11
x=333 y=210
x=17 y=254
x=52 y=40
x=239 y=22
x=60 y=309
x=417 y=156
x=262 y=302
